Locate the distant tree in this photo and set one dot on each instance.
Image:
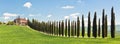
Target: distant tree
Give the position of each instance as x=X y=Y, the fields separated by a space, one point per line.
x=106 y=28
x=112 y=23
x=83 y=27
x=1 y=23
x=50 y=27
x=10 y=23
x=78 y=27
x=89 y=25
x=29 y=23
x=103 y=23
x=75 y=28
x=62 y=27
x=99 y=28
x=95 y=25
x=54 y=29
x=68 y=28
x=72 y=29
x=59 y=28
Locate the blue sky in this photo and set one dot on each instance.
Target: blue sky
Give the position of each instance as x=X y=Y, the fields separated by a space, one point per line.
x=44 y=10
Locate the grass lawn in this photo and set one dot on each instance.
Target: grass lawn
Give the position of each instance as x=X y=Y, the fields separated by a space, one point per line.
x=25 y=35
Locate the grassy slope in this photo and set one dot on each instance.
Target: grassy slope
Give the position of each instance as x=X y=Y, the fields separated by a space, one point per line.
x=25 y=35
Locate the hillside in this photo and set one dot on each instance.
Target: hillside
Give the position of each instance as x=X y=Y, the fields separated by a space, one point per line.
x=25 y=35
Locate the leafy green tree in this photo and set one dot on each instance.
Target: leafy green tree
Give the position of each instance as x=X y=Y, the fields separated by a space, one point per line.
x=10 y=23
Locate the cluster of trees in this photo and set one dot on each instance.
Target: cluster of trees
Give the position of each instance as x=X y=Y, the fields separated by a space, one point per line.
x=69 y=28
x=10 y=23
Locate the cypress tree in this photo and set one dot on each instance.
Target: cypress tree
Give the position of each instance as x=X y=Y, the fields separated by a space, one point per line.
x=106 y=26
x=68 y=28
x=103 y=23
x=112 y=23
x=62 y=28
x=75 y=29
x=48 y=28
x=78 y=27
x=59 y=28
x=52 y=27
x=72 y=28
x=89 y=25
x=99 y=28
x=83 y=27
x=95 y=25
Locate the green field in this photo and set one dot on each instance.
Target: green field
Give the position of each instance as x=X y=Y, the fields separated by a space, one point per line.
x=25 y=35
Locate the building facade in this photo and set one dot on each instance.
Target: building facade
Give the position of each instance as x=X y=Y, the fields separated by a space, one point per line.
x=20 y=21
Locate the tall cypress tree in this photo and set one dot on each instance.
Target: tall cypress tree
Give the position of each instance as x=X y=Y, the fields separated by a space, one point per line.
x=103 y=23
x=75 y=29
x=62 y=28
x=95 y=25
x=68 y=28
x=52 y=27
x=78 y=27
x=106 y=27
x=83 y=27
x=89 y=25
x=112 y=23
x=56 y=28
x=99 y=28
x=72 y=29
x=59 y=28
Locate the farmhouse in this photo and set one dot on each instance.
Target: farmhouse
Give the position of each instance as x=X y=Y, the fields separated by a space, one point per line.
x=20 y=21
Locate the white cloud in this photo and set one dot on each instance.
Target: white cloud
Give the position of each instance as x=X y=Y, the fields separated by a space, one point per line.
x=8 y=15
x=66 y=17
x=27 y=4
x=74 y=15
x=6 y=18
x=49 y=16
x=31 y=15
x=68 y=7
